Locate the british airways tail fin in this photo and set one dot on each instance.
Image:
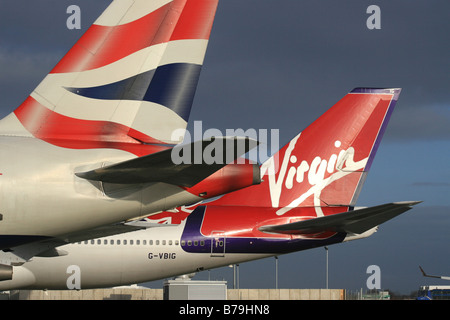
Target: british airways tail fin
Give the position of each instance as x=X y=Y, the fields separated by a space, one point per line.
x=327 y=163
x=131 y=78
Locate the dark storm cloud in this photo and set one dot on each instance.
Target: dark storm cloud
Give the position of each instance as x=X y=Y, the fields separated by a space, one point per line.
x=33 y=38
x=431 y=184
x=427 y=122
x=41 y=25
x=289 y=59
x=302 y=56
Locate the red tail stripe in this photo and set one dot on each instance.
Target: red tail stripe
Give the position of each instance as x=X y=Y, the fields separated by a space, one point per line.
x=196 y=20
x=74 y=133
x=102 y=45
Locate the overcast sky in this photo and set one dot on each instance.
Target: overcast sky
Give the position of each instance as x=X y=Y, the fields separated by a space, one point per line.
x=279 y=64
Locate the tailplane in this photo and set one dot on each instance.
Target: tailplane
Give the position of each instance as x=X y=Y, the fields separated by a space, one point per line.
x=327 y=163
x=131 y=78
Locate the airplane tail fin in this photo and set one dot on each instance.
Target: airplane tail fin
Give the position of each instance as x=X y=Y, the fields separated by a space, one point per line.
x=130 y=78
x=327 y=163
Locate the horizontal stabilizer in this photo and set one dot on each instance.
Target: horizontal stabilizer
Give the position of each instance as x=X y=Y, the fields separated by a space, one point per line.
x=356 y=221
x=184 y=165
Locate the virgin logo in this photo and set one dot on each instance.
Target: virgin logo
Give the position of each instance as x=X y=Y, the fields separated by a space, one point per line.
x=293 y=173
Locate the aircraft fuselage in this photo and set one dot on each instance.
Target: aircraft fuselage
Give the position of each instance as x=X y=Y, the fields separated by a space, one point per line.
x=152 y=254
x=41 y=197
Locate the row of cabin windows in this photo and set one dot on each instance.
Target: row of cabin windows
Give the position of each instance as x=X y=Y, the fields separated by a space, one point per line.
x=190 y=243
x=131 y=242
x=143 y=242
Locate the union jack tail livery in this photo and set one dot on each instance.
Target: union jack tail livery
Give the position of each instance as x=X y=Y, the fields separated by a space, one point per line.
x=91 y=146
x=131 y=78
x=326 y=164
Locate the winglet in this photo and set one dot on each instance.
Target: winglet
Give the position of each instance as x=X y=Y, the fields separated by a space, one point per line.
x=431 y=276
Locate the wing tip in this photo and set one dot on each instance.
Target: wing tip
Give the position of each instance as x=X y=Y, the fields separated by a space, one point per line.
x=407 y=203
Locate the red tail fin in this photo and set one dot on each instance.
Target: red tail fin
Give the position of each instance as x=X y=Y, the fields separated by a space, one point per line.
x=327 y=163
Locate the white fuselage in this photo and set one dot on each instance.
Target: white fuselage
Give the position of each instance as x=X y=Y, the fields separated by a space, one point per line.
x=40 y=195
x=198 y=243
x=125 y=259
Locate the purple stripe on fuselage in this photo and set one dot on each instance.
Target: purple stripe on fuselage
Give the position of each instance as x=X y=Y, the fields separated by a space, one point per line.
x=194 y=242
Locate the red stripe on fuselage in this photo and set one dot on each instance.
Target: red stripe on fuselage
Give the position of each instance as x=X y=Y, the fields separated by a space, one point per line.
x=242 y=221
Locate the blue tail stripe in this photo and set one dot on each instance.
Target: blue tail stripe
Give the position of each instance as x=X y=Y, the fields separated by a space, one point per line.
x=172 y=86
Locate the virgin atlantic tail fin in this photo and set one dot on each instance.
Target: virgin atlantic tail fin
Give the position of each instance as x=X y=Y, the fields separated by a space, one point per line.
x=131 y=78
x=327 y=163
